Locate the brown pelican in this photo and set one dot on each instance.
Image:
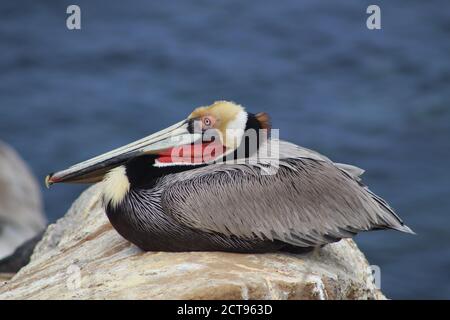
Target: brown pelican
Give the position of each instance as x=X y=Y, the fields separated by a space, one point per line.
x=204 y=185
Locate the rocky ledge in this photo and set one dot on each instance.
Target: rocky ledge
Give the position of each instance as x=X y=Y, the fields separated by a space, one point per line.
x=83 y=257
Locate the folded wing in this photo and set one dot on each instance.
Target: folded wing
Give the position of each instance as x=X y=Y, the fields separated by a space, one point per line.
x=310 y=200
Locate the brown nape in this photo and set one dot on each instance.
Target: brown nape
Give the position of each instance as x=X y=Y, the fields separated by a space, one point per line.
x=264 y=120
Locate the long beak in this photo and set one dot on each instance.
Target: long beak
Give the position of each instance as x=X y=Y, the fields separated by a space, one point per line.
x=93 y=170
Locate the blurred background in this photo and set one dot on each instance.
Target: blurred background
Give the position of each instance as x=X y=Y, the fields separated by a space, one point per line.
x=378 y=99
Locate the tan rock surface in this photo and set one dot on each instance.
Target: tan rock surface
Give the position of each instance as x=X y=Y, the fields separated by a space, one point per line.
x=83 y=257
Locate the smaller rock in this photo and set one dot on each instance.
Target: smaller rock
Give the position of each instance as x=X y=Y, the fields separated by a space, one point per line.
x=21 y=215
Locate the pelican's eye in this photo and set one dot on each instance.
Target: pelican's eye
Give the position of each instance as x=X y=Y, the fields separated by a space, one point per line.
x=208 y=122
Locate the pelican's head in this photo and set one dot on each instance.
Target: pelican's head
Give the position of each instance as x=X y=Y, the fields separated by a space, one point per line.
x=208 y=133
x=229 y=121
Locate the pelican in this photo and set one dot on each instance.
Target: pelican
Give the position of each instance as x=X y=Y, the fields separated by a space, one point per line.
x=204 y=184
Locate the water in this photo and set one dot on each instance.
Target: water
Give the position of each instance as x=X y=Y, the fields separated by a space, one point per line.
x=377 y=99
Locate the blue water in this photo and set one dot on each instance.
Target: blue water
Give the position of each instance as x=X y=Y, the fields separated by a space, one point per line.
x=377 y=99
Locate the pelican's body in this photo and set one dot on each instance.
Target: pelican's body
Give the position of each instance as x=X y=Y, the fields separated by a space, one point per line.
x=185 y=201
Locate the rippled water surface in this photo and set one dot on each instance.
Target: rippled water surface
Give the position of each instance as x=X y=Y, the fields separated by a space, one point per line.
x=377 y=99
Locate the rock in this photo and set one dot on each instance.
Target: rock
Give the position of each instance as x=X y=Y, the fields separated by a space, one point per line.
x=83 y=257
x=21 y=256
x=5 y=276
x=21 y=215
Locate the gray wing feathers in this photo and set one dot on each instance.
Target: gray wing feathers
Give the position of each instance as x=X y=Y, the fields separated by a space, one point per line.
x=290 y=150
x=353 y=171
x=307 y=202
